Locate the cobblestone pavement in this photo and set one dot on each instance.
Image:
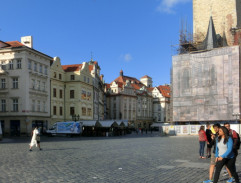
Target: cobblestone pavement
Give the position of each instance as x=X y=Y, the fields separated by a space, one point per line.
x=128 y=159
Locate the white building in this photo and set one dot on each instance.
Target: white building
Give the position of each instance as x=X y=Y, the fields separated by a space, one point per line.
x=24 y=87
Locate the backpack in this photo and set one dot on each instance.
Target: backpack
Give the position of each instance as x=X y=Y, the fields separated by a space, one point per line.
x=237 y=146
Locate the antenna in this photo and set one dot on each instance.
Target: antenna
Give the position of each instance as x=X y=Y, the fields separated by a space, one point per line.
x=91 y=53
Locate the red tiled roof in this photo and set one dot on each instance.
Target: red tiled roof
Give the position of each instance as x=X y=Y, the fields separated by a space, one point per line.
x=15 y=44
x=146 y=76
x=165 y=90
x=150 y=89
x=75 y=67
x=72 y=68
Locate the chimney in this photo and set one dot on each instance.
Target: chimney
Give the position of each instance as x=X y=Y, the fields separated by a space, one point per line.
x=27 y=41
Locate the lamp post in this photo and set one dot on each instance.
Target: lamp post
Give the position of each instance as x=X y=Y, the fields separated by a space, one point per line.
x=237 y=115
x=75 y=117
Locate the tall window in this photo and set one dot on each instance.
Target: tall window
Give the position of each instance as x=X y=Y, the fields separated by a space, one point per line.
x=38 y=106
x=45 y=70
x=54 y=92
x=72 y=111
x=72 y=77
x=61 y=111
x=10 y=65
x=15 y=82
x=40 y=68
x=71 y=93
x=55 y=75
x=60 y=76
x=3 y=83
x=83 y=111
x=38 y=85
x=15 y=105
x=30 y=65
x=3 y=65
x=33 y=105
x=35 y=67
x=83 y=95
x=89 y=112
x=19 y=64
x=44 y=86
x=55 y=110
x=33 y=82
x=3 y=105
x=60 y=93
x=44 y=107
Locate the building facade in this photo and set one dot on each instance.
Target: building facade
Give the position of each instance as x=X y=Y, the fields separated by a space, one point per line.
x=25 y=87
x=128 y=99
x=76 y=92
x=161 y=103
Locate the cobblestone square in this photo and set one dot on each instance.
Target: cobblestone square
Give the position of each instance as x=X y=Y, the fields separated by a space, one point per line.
x=126 y=159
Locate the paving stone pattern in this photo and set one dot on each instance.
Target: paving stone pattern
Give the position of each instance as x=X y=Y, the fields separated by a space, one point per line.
x=128 y=159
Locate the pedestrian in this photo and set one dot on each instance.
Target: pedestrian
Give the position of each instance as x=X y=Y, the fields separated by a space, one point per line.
x=35 y=139
x=233 y=134
x=209 y=146
x=224 y=154
x=202 y=141
x=212 y=160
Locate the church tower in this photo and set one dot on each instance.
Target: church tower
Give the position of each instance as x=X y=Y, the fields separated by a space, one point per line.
x=226 y=15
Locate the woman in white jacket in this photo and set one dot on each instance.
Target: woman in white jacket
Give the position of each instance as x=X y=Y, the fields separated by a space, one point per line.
x=35 y=139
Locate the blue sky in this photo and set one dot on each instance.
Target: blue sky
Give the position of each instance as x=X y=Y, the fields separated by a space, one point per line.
x=133 y=35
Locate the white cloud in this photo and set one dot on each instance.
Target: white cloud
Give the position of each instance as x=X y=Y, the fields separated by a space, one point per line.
x=127 y=57
x=168 y=5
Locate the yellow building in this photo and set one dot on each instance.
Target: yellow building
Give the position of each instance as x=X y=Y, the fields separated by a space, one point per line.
x=72 y=91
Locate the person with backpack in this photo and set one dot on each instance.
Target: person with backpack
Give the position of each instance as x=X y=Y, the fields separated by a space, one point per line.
x=236 y=145
x=224 y=154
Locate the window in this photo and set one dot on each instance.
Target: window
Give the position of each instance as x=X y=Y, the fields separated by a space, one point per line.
x=38 y=85
x=40 y=68
x=55 y=75
x=38 y=106
x=11 y=65
x=72 y=111
x=35 y=67
x=54 y=110
x=15 y=82
x=45 y=70
x=33 y=105
x=44 y=107
x=60 y=93
x=61 y=111
x=88 y=95
x=3 y=105
x=30 y=65
x=83 y=111
x=54 y=92
x=89 y=112
x=88 y=80
x=3 y=65
x=19 y=64
x=33 y=83
x=3 y=83
x=71 y=93
x=72 y=77
x=15 y=105
x=60 y=76
x=84 y=79
x=44 y=85
x=83 y=95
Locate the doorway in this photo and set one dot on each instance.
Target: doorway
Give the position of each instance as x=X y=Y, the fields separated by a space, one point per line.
x=15 y=127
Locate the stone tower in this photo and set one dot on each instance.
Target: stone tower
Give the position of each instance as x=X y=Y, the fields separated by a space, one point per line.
x=226 y=15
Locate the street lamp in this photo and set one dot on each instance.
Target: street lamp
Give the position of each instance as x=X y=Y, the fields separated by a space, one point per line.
x=236 y=115
x=75 y=117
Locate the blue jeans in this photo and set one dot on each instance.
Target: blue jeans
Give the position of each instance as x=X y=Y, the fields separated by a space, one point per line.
x=201 y=150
